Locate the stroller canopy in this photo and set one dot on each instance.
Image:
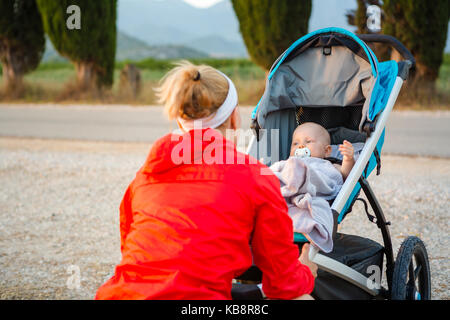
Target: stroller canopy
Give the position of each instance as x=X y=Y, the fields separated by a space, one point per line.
x=330 y=67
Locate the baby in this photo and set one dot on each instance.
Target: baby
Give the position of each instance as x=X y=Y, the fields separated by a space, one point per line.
x=308 y=181
x=317 y=140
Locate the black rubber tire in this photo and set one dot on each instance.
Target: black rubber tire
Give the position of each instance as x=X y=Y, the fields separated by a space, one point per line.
x=402 y=288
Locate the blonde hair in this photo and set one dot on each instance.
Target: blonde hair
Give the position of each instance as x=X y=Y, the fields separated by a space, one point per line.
x=192 y=92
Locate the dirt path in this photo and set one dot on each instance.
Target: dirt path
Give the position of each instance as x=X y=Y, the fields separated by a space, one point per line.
x=60 y=202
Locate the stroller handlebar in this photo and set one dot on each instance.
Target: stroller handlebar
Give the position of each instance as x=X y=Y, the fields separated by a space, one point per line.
x=393 y=42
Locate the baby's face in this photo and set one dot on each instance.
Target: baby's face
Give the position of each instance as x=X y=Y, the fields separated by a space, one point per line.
x=313 y=138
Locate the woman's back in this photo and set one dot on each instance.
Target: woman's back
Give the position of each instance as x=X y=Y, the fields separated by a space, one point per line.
x=186 y=227
x=188 y=219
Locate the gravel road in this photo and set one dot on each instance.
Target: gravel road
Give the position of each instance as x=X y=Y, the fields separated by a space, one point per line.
x=59 y=213
x=421 y=133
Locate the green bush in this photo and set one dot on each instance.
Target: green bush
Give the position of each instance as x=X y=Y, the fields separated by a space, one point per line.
x=236 y=68
x=165 y=65
x=151 y=64
x=269 y=27
x=55 y=66
x=92 y=47
x=22 y=41
x=422 y=27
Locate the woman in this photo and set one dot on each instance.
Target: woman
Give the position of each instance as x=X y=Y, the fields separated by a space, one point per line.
x=189 y=217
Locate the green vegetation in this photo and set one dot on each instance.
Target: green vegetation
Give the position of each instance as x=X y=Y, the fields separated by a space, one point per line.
x=238 y=69
x=358 y=17
x=268 y=27
x=422 y=27
x=165 y=65
x=22 y=41
x=47 y=83
x=92 y=45
x=154 y=70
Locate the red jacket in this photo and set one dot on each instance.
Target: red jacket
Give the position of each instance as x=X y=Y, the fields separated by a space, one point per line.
x=186 y=228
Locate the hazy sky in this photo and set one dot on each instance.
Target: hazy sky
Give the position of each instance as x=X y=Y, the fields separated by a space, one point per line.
x=202 y=3
x=324 y=18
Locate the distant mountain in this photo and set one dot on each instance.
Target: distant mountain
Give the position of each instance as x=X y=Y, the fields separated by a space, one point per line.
x=130 y=48
x=173 y=28
x=219 y=47
x=214 y=30
x=50 y=54
x=175 y=21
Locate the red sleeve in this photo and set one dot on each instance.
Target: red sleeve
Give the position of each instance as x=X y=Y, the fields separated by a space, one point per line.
x=274 y=252
x=126 y=217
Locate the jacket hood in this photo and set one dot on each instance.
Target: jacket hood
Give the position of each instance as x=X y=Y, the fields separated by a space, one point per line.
x=198 y=146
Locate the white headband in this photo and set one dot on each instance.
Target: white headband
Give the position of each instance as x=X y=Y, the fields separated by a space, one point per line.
x=218 y=117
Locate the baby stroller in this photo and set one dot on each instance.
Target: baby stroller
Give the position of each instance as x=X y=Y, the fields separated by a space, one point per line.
x=333 y=78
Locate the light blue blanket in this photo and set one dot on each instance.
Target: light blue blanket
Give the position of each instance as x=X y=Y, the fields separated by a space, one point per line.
x=307 y=184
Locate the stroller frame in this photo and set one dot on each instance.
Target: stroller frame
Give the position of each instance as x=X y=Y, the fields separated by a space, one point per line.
x=339 y=269
x=374 y=131
x=335 y=267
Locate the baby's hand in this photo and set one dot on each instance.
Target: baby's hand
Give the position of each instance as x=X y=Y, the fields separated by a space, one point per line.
x=346 y=150
x=348 y=161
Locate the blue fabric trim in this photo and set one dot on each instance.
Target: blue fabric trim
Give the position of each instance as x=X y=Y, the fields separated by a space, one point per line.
x=387 y=74
x=299 y=237
x=374 y=57
x=256 y=108
x=372 y=165
x=366 y=48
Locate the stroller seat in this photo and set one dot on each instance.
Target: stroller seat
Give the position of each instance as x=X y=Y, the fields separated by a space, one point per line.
x=356 y=252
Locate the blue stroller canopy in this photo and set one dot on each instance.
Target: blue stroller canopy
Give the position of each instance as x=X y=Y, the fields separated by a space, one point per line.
x=369 y=53
x=331 y=77
x=373 y=79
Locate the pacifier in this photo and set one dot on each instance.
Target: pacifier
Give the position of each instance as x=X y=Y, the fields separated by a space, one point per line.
x=302 y=153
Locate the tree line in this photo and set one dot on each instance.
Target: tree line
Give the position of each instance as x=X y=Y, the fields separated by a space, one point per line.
x=268 y=27
x=91 y=48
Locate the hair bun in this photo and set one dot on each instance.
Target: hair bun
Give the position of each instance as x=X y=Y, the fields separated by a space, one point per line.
x=183 y=96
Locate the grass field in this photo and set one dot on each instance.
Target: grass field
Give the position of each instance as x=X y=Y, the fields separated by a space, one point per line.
x=49 y=81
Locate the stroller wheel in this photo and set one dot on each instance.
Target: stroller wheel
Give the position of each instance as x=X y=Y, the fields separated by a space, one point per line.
x=411 y=278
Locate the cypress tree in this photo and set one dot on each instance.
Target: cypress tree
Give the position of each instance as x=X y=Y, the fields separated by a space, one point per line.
x=22 y=41
x=358 y=17
x=92 y=47
x=422 y=27
x=269 y=27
